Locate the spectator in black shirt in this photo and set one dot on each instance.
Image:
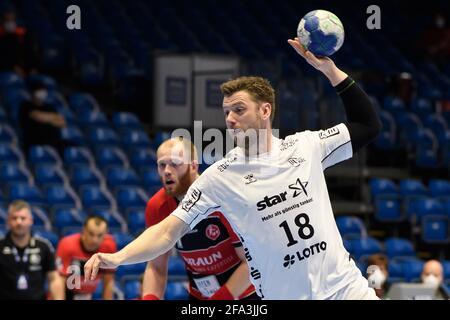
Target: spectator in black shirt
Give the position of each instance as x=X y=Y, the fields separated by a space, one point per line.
x=40 y=122
x=26 y=261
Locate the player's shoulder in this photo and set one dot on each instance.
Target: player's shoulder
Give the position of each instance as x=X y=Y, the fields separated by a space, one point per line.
x=158 y=199
x=43 y=243
x=70 y=240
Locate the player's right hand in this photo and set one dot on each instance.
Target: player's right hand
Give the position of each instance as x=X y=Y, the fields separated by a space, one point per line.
x=97 y=261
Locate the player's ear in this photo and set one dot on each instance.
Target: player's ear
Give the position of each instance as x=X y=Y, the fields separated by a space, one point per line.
x=194 y=165
x=266 y=110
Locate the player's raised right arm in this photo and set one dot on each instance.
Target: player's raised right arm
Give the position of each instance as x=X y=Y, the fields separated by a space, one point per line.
x=153 y=242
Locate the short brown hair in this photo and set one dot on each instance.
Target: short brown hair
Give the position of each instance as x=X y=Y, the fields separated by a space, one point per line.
x=18 y=205
x=259 y=89
x=378 y=259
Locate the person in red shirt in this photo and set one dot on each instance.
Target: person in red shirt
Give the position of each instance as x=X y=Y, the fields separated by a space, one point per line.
x=74 y=250
x=212 y=252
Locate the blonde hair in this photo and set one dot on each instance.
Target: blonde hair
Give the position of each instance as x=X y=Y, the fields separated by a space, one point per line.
x=259 y=89
x=188 y=147
x=18 y=205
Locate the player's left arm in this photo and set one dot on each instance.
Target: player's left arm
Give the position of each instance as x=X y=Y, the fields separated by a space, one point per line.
x=237 y=283
x=363 y=122
x=108 y=285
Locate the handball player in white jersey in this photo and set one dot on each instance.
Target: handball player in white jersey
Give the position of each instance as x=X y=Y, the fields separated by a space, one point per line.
x=274 y=195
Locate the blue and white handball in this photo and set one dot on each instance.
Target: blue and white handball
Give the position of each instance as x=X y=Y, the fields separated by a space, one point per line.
x=321 y=32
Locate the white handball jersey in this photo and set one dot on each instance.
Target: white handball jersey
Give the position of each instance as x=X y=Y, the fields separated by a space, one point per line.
x=278 y=204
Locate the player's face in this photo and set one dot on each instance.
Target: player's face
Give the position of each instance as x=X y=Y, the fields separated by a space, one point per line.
x=245 y=117
x=93 y=235
x=174 y=172
x=20 y=222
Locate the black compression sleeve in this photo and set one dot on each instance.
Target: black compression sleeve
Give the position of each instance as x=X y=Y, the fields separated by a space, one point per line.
x=362 y=120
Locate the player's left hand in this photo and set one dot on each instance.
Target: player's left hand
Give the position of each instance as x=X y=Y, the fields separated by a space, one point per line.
x=323 y=64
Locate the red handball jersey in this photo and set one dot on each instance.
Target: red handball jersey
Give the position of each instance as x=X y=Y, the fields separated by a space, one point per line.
x=71 y=258
x=208 y=250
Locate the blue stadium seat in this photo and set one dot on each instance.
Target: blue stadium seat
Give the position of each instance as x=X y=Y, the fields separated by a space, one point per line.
x=394 y=105
x=12 y=172
x=159 y=138
x=132 y=289
x=43 y=154
x=427 y=158
x=446 y=267
x=68 y=217
x=123 y=120
x=128 y=197
x=176 y=291
x=113 y=223
x=388 y=209
x=422 y=107
x=81 y=175
x=380 y=186
x=74 y=135
x=118 y=176
x=131 y=269
x=364 y=247
x=59 y=195
x=10 y=153
x=395 y=270
x=111 y=156
x=351 y=227
x=421 y=207
x=136 y=220
x=77 y=155
x=93 y=119
x=412 y=187
x=399 y=248
x=122 y=239
x=412 y=269
x=49 y=235
x=408 y=124
x=7 y=134
x=81 y=103
x=46 y=174
x=94 y=196
x=176 y=266
x=11 y=80
x=437 y=124
x=135 y=138
x=435 y=229
x=40 y=217
x=150 y=178
x=439 y=188
x=98 y=136
x=24 y=191
x=142 y=157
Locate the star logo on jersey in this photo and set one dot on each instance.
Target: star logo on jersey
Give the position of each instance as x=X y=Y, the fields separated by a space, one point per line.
x=250 y=178
x=212 y=232
x=289 y=260
x=299 y=187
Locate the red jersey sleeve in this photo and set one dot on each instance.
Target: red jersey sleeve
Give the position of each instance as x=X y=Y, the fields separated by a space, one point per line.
x=158 y=208
x=233 y=236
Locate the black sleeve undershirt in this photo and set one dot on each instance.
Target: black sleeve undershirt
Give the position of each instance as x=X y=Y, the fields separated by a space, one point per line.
x=363 y=122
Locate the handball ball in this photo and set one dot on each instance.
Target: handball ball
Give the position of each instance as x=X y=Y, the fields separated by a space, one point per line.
x=321 y=32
